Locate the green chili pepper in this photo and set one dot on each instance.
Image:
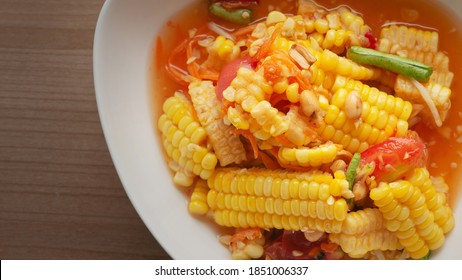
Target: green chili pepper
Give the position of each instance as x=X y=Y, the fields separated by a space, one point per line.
x=351 y=171
x=240 y=16
x=351 y=175
x=406 y=67
x=427 y=256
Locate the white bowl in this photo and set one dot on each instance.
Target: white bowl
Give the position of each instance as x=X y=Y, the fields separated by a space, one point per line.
x=124 y=39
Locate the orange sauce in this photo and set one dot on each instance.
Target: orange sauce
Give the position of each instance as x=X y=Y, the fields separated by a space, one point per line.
x=445 y=152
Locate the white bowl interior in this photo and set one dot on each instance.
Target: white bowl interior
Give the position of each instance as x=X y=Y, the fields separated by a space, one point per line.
x=124 y=40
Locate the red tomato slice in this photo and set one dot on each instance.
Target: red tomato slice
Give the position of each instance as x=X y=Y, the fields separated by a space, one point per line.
x=294 y=246
x=394 y=157
x=229 y=72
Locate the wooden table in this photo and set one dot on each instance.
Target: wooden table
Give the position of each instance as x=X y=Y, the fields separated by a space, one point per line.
x=60 y=196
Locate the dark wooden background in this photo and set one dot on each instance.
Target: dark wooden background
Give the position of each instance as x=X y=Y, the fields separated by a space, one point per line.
x=60 y=196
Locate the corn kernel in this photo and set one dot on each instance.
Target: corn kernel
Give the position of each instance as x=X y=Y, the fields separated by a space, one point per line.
x=292 y=93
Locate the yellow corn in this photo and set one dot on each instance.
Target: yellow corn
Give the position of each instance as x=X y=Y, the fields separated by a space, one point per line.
x=321 y=25
x=363 y=221
x=299 y=131
x=334 y=29
x=364 y=231
x=294 y=28
x=281 y=43
x=440 y=95
x=222 y=50
x=278 y=199
x=198 y=201
x=304 y=156
x=357 y=246
x=329 y=61
x=230 y=218
x=245 y=244
x=408 y=38
x=420 y=45
x=227 y=146
x=444 y=78
x=238 y=118
x=405 y=209
x=320 y=77
x=275 y=17
x=381 y=116
x=334 y=40
x=247 y=89
x=292 y=93
x=435 y=200
x=226 y=48
x=185 y=141
x=269 y=118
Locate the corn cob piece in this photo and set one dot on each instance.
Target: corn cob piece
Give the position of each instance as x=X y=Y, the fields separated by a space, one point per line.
x=329 y=61
x=269 y=118
x=230 y=218
x=443 y=78
x=381 y=116
x=278 y=199
x=294 y=28
x=387 y=255
x=185 y=141
x=364 y=231
x=420 y=45
x=304 y=156
x=440 y=95
x=227 y=146
x=404 y=207
x=334 y=29
x=408 y=38
x=383 y=101
x=435 y=200
x=299 y=132
x=198 y=201
x=357 y=246
x=363 y=221
x=220 y=52
x=322 y=78
x=252 y=112
x=247 y=89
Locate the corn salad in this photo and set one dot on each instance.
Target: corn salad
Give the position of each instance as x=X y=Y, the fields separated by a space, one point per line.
x=281 y=134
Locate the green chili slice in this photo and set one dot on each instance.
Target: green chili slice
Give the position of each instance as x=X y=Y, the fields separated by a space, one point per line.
x=404 y=66
x=351 y=171
x=240 y=16
x=427 y=256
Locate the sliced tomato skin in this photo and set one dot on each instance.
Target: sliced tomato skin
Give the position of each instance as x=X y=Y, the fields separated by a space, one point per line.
x=229 y=72
x=394 y=157
x=292 y=245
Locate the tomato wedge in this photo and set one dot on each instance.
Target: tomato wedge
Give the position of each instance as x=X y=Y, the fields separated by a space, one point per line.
x=292 y=245
x=394 y=157
x=229 y=72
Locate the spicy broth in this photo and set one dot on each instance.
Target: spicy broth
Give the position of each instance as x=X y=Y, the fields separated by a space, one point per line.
x=445 y=143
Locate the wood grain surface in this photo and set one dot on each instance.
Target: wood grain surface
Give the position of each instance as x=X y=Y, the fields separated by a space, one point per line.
x=60 y=196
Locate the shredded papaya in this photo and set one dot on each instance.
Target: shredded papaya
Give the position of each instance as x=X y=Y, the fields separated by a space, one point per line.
x=252 y=140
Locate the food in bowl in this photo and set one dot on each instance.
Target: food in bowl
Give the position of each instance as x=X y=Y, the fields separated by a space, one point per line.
x=306 y=133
